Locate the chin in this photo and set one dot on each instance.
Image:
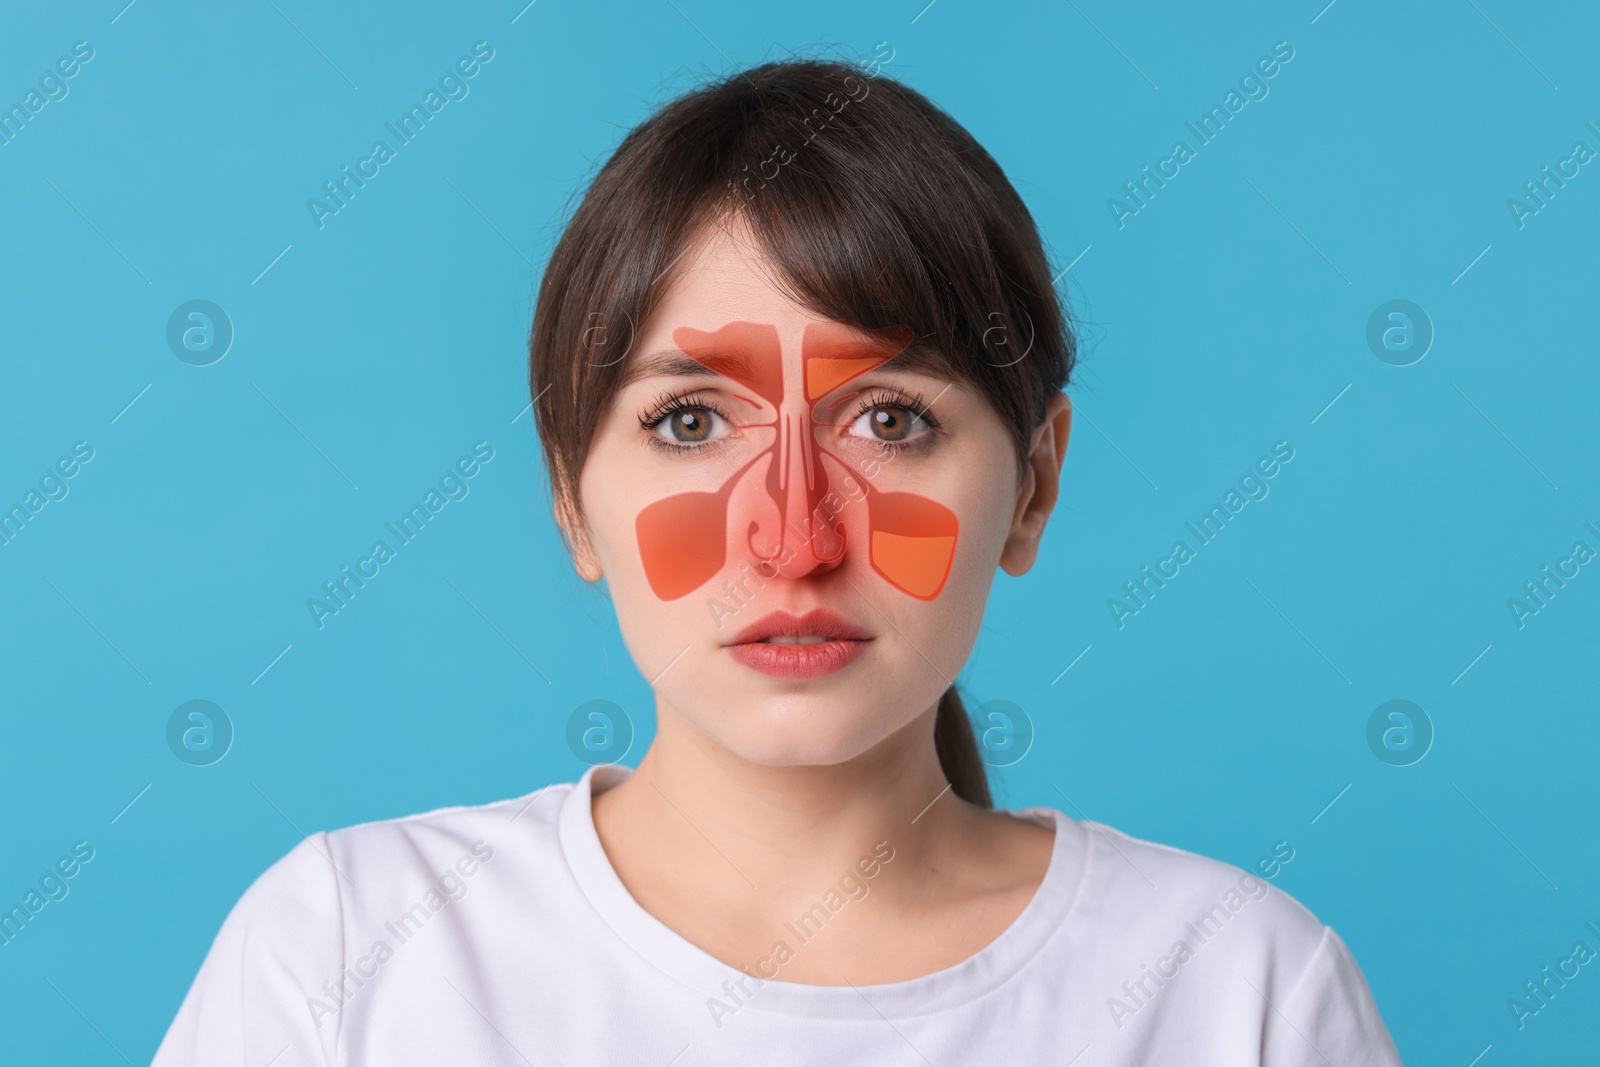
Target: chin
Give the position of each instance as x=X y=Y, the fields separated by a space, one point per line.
x=799 y=731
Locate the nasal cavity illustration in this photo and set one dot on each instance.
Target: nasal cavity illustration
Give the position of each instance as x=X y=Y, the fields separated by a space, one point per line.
x=772 y=507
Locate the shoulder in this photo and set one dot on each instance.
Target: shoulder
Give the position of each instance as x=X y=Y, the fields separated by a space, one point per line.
x=1154 y=873
x=444 y=836
x=1200 y=955
x=282 y=959
x=335 y=875
x=1154 y=897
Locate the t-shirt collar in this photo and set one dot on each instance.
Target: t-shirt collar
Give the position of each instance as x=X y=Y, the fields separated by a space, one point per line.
x=669 y=952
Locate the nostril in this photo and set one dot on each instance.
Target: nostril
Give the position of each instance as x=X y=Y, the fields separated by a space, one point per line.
x=820 y=541
x=827 y=542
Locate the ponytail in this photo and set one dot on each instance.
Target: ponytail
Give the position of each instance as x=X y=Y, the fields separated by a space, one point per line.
x=958 y=751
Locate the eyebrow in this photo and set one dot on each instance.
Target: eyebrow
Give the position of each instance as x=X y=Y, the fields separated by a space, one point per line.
x=675 y=363
x=670 y=363
x=921 y=357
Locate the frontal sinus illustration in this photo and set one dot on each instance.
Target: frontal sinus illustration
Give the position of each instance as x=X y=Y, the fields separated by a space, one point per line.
x=787 y=514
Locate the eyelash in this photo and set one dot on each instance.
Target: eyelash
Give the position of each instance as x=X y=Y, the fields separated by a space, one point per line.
x=897 y=398
x=669 y=404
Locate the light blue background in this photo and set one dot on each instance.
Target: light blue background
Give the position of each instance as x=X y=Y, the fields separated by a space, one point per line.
x=1222 y=719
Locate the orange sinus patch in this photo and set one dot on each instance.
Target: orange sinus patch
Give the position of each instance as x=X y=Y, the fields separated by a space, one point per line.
x=683 y=539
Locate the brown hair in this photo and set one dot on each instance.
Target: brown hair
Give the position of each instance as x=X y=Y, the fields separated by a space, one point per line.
x=875 y=207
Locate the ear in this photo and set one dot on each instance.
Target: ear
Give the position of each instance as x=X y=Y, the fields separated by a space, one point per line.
x=1041 y=486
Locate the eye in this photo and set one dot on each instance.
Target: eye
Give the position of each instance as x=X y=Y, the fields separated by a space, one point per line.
x=683 y=423
x=890 y=421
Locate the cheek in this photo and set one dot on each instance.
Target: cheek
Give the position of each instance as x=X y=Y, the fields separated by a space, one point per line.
x=945 y=629
x=612 y=494
x=987 y=509
x=980 y=502
x=683 y=540
x=912 y=541
x=687 y=539
x=616 y=494
x=984 y=512
x=781 y=512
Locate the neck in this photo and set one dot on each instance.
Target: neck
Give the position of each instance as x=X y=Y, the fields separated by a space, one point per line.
x=751 y=836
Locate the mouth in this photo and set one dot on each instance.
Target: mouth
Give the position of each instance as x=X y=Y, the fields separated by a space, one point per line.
x=799 y=647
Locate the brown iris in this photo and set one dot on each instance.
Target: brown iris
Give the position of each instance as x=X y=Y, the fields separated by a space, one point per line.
x=891 y=422
x=690 y=425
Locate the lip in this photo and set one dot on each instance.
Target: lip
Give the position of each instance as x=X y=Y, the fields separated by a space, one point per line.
x=845 y=642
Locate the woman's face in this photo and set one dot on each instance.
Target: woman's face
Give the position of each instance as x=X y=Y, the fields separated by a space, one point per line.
x=798 y=531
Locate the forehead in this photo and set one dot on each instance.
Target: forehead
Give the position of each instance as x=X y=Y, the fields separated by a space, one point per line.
x=722 y=275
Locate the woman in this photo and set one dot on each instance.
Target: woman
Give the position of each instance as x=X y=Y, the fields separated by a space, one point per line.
x=797 y=366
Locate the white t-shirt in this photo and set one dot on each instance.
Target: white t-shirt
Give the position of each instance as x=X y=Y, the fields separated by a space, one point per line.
x=500 y=934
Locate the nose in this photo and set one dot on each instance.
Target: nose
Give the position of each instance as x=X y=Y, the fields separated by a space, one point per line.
x=813 y=536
